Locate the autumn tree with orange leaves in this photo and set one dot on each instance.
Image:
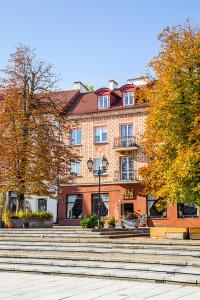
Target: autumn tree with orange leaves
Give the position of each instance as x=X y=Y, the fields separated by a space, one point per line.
x=172 y=137
x=33 y=130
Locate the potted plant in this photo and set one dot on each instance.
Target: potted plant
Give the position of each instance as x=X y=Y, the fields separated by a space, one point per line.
x=111 y=222
x=89 y=221
x=103 y=220
x=6 y=217
x=41 y=219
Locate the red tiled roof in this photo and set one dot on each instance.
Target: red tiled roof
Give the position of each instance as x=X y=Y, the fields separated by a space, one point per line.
x=73 y=102
x=83 y=104
x=88 y=103
x=62 y=99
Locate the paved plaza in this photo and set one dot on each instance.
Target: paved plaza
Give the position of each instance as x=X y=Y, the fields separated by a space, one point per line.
x=18 y=286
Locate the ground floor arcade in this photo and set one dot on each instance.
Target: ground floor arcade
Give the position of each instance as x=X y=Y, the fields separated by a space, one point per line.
x=123 y=201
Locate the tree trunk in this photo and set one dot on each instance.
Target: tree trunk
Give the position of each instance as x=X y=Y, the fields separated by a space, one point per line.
x=21 y=201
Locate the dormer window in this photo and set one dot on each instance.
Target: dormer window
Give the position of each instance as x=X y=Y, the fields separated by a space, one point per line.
x=128 y=99
x=103 y=102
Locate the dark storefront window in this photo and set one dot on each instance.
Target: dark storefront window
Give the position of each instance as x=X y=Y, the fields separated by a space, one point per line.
x=104 y=204
x=74 y=206
x=153 y=211
x=42 y=204
x=187 y=210
x=13 y=201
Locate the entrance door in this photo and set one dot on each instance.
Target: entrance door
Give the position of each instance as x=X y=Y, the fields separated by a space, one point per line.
x=128 y=220
x=126 y=135
x=127 y=208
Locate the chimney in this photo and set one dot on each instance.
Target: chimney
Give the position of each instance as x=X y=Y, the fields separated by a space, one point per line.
x=112 y=84
x=139 y=81
x=78 y=85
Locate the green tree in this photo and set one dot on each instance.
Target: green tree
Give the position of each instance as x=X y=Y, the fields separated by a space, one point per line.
x=90 y=87
x=172 y=137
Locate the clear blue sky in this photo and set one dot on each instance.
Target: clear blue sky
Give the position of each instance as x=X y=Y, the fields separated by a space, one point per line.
x=91 y=40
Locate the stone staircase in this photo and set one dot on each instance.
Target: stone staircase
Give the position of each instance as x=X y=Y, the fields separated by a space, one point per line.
x=77 y=232
x=79 y=252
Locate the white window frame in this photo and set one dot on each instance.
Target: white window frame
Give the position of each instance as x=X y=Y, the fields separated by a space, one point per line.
x=43 y=199
x=75 y=141
x=124 y=98
x=129 y=170
x=101 y=134
x=103 y=98
x=75 y=168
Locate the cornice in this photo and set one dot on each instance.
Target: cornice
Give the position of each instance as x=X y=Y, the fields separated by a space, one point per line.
x=110 y=113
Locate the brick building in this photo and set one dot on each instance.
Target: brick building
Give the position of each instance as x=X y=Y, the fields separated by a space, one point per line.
x=110 y=124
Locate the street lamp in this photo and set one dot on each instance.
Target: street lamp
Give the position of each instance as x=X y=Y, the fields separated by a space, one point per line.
x=100 y=171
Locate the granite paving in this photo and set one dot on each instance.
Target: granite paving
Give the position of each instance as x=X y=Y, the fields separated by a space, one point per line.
x=22 y=286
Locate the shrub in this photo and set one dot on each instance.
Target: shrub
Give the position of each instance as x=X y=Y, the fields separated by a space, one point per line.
x=37 y=214
x=89 y=221
x=46 y=215
x=42 y=215
x=6 y=216
x=20 y=214
x=112 y=221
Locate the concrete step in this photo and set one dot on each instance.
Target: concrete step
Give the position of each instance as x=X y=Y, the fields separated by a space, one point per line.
x=167 y=268
x=168 y=274
x=104 y=257
x=98 y=249
x=70 y=233
x=134 y=241
x=74 y=235
x=104 y=245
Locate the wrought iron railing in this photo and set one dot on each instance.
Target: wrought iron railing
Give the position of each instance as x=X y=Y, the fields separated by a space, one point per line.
x=126 y=142
x=126 y=176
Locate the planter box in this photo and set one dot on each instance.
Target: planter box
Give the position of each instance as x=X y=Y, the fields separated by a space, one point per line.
x=1 y=224
x=164 y=232
x=18 y=223
x=194 y=233
x=40 y=223
x=176 y=235
x=111 y=226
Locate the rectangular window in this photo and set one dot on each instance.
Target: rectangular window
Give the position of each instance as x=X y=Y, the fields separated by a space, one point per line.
x=76 y=137
x=127 y=172
x=103 y=102
x=42 y=204
x=153 y=211
x=128 y=99
x=104 y=204
x=126 y=135
x=100 y=134
x=74 y=206
x=76 y=168
x=187 y=211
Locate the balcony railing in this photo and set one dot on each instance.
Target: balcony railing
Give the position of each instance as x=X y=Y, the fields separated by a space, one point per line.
x=126 y=176
x=127 y=142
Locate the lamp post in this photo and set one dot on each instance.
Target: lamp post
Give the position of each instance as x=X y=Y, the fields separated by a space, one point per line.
x=100 y=171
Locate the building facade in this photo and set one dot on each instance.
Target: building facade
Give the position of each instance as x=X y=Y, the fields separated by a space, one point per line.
x=34 y=202
x=111 y=122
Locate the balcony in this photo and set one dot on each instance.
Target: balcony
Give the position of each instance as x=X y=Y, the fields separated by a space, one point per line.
x=126 y=143
x=126 y=177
